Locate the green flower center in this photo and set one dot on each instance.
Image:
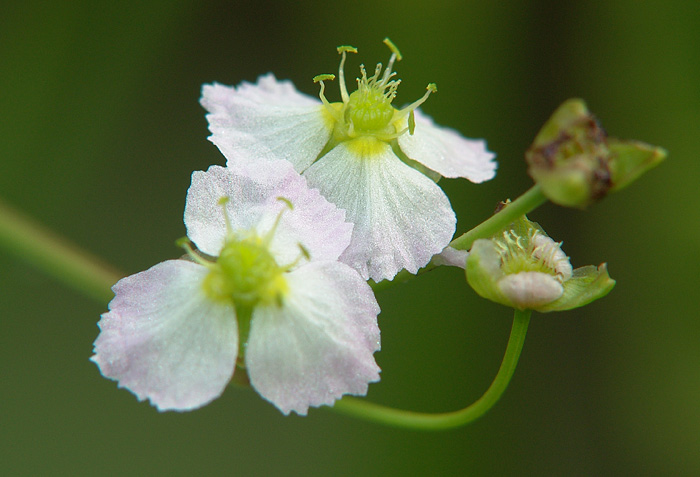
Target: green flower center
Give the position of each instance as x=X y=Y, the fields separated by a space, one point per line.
x=246 y=275
x=368 y=110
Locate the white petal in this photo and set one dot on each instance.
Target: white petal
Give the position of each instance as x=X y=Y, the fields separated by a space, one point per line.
x=446 y=152
x=253 y=189
x=551 y=253
x=165 y=341
x=530 y=289
x=401 y=217
x=319 y=345
x=269 y=119
x=452 y=257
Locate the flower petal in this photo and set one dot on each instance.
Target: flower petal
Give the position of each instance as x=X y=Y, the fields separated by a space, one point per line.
x=446 y=152
x=319 y=344
x=530 y=290
x=401 y=217
x=266 y=119
x=254 y=189
x=165 y=341
x=452 y=257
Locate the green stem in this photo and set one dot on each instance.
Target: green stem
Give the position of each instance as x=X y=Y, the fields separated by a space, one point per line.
x=524 y=204
x=52 y=255
x=433 y=422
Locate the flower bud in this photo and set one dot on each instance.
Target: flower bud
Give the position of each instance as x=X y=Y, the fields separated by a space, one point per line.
x=525 y=269
x=576 y=164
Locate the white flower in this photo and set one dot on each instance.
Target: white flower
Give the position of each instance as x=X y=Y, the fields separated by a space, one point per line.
x=265 y=293
x=367 y=157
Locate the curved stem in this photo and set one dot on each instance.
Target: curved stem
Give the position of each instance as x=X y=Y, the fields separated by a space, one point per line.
x=432 y=422
x=54 y=256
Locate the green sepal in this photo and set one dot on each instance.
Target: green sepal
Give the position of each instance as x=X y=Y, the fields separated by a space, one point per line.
x=587 y=284
x=483 y=271
x=630 y=159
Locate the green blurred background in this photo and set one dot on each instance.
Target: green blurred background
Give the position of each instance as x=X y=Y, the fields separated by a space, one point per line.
x=101 y=129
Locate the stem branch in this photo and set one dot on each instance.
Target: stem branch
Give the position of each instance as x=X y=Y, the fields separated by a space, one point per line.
x=54 y=256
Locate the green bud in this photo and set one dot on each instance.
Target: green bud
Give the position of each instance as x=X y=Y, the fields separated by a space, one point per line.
x=525 y=269
x=569 y=157
x=576 y=164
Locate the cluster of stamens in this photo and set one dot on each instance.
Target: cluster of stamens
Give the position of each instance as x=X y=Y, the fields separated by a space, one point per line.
x=368 y=110
x=245 y=274
x=533 y=253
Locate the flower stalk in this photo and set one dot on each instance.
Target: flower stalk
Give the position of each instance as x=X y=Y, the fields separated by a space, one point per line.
x=54 y=256
x=448 y=420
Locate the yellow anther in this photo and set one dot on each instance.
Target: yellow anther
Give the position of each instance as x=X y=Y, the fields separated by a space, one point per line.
x=287 y=202
x=393 y=48
x=347 y=49
x=411 y=123
x=324 y=77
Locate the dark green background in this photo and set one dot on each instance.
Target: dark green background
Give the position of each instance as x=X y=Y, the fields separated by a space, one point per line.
x=101 y=129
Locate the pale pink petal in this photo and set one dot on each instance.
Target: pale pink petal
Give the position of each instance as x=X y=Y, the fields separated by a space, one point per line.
x=268 y=119
x=452 y=257
x=319 y=344
x=446 y=152
x=530 y=289
x=165 y=341
x=253 y=189
x=401 y=217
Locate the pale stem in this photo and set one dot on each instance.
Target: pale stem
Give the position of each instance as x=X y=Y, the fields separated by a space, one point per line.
x=52 y=255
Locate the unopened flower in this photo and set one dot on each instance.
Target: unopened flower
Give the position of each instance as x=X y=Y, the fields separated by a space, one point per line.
x=525 y=269
x=575 y=162
x=375 y=161
x=264 y=293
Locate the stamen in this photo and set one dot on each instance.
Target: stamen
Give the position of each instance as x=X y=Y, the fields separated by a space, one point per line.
x=431 y=88
x=390 y=94
x=341 y=71
x=270 y=233
x=304 y=254
x=185 y=243
x=222 y=202
x=411 y=123
x=320 y=79
x=363 y=80
x=393 y=48
x=395 y=56
x=377 y=72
